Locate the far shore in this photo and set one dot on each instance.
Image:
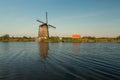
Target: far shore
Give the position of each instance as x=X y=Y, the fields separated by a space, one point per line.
x=7 y=38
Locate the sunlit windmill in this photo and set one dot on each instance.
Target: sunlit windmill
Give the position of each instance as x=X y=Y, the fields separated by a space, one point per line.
x=44 y=29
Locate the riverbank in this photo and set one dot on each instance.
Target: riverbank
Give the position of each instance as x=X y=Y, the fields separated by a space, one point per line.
x=80 y=40
x=59 y=40
x=6 y=38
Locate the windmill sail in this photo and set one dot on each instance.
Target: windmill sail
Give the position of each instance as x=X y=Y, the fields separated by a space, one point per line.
x=46 y=18
x=40 y=21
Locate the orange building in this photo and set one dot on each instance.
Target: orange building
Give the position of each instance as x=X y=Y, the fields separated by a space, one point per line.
x=76 y=36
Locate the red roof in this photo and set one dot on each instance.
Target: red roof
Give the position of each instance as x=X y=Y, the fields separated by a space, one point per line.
x=76 y=36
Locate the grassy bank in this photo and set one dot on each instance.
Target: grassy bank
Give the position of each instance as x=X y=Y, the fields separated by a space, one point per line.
x=69 y=39
x=7 y=38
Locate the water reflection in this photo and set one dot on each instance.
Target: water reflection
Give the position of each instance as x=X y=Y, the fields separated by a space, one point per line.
x=43 y=48
x=76 y=47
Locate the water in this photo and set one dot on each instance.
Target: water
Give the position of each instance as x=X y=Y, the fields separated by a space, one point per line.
x=59 y=61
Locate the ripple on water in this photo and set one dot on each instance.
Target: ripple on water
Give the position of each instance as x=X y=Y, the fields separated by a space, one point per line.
x=59 y=61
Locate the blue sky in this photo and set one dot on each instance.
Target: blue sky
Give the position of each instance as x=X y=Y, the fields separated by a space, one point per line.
x=99 y=18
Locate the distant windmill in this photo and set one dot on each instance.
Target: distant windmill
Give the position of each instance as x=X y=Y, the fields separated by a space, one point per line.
x=43 y=29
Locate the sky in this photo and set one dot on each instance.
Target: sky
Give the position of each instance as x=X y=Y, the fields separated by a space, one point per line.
x=98 y=18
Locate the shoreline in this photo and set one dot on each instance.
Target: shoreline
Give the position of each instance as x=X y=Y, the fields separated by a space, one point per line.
x=89 y=41
x=6 y=38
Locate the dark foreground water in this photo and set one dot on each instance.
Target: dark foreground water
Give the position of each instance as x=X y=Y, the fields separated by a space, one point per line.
x=59 y=61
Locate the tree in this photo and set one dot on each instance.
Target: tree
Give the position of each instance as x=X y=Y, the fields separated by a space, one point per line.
x=54 y=39
x=6 y=36
x=25 y=37
x=118 y=37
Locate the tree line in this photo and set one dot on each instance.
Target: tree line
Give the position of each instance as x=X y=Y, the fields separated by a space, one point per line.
x=82 y=39
x=7 y=38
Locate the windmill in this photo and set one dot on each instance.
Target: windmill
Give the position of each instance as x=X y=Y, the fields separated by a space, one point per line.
x=43 y=29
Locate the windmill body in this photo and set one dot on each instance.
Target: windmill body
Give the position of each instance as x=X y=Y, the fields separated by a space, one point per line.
x=43 y=32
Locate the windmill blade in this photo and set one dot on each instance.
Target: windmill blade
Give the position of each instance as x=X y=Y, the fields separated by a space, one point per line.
x=51 y=26
x=40 y=21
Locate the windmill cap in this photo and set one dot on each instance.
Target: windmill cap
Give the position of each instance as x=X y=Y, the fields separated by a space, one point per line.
x=44 y=24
